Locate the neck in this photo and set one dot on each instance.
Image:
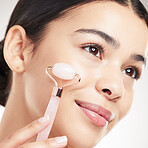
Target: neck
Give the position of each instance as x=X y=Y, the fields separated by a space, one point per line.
x=16 y=114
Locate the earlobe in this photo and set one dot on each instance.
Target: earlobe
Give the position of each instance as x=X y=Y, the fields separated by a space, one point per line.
x=14 y=48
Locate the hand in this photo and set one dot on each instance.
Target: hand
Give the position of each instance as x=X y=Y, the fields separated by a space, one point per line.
x=18 y=138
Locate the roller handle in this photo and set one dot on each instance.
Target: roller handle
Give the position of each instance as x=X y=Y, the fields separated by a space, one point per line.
x=51 y=112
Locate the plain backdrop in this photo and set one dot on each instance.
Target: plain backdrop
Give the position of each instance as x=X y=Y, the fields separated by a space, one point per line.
x=132 y=131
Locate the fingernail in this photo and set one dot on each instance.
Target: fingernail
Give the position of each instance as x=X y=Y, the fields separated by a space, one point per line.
x=44 y=119
x=61 y=140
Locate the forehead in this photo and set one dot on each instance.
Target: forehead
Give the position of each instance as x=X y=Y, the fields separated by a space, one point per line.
x=116 y=20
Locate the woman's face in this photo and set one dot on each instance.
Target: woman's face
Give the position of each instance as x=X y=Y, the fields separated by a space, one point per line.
x=105 y=44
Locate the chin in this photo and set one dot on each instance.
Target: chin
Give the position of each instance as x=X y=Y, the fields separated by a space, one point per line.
x=81 y=141
x=80 y=133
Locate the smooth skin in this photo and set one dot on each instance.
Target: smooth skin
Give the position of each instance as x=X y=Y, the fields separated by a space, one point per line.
x=69 y=40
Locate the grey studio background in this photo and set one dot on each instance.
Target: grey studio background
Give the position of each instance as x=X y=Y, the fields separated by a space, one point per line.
x=132 y=131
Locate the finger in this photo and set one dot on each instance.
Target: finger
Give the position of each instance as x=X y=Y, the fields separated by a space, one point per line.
x=24 y=134
x=58 y=142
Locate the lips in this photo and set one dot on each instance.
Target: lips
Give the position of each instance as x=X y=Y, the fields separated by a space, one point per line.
x=99 y=115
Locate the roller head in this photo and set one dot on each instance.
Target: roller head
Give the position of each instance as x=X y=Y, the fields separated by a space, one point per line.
x=63 y=71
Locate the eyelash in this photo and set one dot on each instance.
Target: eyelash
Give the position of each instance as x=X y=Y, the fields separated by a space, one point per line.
x=98 y=48
x=136 y=71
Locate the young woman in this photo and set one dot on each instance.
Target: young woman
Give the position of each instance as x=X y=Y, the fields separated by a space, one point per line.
x=105 y=42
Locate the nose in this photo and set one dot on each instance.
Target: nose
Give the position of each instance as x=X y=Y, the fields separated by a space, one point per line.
x=111 y=87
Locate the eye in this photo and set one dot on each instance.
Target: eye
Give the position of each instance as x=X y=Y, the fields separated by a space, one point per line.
x=132 y=72
x=94 y=49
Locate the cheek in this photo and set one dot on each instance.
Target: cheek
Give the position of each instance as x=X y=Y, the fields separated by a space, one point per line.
x=38 y=86
x=125 y=103
x=38 y=92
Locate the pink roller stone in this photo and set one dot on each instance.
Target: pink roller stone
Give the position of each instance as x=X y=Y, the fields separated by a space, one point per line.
x=63 y=71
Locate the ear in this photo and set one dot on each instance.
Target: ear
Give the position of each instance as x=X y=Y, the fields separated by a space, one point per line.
x=15 y=47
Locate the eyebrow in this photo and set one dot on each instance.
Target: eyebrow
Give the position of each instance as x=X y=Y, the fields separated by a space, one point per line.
x=138 y=57
x=110 y=40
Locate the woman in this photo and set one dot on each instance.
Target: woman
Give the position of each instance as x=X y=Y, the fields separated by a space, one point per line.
x=105 y=42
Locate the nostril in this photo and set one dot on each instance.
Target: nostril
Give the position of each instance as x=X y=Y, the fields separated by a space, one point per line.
x=105 y=90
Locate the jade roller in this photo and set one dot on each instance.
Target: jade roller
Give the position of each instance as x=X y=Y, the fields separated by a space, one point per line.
x=63 y=72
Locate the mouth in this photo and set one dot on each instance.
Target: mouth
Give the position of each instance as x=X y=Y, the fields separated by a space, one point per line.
x=98 y=115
